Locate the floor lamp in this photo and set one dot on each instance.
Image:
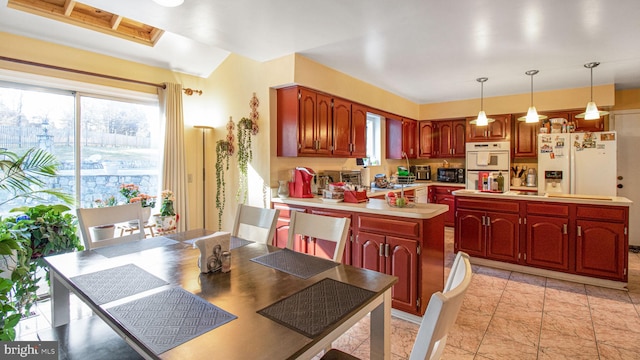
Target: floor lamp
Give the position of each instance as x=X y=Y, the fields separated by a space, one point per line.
x=204 y=129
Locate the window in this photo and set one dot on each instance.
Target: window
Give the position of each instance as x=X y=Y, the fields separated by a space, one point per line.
x=374 y=139
x=119 y=139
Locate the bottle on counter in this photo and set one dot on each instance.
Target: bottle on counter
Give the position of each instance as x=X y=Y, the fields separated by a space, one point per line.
x=485 y=185
x=490 y=182
x=500 y=180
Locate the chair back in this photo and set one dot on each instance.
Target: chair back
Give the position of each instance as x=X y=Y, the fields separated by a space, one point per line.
x=329 y=228
x=442 y=312
x=110 y=215
x=255 y=224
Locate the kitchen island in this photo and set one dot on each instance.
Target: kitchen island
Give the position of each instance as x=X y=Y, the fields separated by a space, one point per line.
x=570 y=237
x=404 y=242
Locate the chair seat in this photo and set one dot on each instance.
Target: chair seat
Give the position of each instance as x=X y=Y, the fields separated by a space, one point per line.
x=335 y=354
x=88 y=338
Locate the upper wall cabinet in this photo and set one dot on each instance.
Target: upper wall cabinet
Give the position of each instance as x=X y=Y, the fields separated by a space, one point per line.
x=499 y=130
x=311 y=123
x=426 y=139
x=525 y=139
x=401 y=137
x=449 y=138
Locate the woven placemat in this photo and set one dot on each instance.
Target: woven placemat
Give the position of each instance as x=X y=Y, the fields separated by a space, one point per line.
x=116 y=283
x=295 y=263
x=169 y=318
x=134 y=246
x=315 y=308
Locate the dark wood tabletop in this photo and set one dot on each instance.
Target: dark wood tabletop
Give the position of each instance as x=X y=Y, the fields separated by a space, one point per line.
x=247 y=288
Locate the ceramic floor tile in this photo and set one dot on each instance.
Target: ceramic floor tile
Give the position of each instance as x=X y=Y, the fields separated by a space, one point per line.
x=557 y=323
x=465 y=337
x=402 y=340
x=524 y=331
x=614 y=353
x=454 y=353
x=555 y=345
x=498 y=348
x=569 y=297
x=567 y=310
x=533 y=302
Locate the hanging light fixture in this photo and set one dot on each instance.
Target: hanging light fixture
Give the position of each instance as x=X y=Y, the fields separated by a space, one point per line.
x=169 y=3
x=591 y=112
x=482 y=119
x=532 y=115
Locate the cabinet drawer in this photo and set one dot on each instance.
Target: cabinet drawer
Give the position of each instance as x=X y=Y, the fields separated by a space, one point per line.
x=445 y=190
x=332 y=213
x=602 y=213
x=484 y=204
x=285 y=210
x=534 y=208
x=389 y=226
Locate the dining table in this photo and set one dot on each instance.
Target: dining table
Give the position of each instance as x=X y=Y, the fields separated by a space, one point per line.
x=273 y=303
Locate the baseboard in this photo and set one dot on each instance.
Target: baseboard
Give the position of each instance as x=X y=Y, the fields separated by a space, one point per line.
x=406 y=316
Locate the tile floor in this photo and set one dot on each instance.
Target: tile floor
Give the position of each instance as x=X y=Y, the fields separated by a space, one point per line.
x=505 y=315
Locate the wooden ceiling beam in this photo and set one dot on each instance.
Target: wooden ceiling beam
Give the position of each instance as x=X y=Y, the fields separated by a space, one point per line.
x=115 y=21
x=68 y=7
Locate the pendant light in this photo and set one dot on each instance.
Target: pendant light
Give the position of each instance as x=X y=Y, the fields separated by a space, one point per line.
x=169 y=3
x=532 y=115
x=482 y=119
x=591 y=112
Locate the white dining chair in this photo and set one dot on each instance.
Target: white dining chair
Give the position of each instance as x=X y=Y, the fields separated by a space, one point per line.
x=110 y=215
x=255 y=224
x=314 y=226
x=439 y=317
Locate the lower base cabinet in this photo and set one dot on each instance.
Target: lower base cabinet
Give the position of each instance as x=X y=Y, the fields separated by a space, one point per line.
x=587 y=240
x=387 y=244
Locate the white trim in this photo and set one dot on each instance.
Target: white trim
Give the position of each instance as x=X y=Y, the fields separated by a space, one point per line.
x=78 y=86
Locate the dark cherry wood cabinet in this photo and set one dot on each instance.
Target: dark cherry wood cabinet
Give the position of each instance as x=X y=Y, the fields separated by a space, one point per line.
x=525 y=139
x=358 y=130
x=583 y=125
x=442 y=195
x=449 y=138
x=547 y=236
x=349 y=129
x=324 y=248
x=425 y=139
x=282 y=226
x=401 y=137
x=499 y=130
x=410 y=138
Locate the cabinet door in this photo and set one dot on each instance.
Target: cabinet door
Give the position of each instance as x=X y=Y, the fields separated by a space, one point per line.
x=394 y=138
x=425 y=131
x=402 y=261
x=444 y=133
x=470 y=232
x=525 y=139
x=306 y=122
x=601 y=249
x=324 y=248
x=282 y=226
x=547 y=242
x=358 y=131
x=341 y=127
x=458 y=135
x=503 y=236
x=499 y=130
x=366 y=251
x=324 y=125
x=449 y=200
x=409 y=138
x=583 y=125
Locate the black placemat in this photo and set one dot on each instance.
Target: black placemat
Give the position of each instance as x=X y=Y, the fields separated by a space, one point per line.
x=116 y=283
x=313 y=309
x=295 y=263
x=169 y=318
x=134 y=246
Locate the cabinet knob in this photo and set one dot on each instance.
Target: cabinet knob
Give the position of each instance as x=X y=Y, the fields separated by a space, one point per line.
x=620 y=186
x=620 y=177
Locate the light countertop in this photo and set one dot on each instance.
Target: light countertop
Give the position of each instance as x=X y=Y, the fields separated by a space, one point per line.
x=373 y=206
x=570 y=198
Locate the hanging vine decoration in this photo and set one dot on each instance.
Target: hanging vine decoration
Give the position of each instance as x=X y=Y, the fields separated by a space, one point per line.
x=245 y=155
x=224 y=151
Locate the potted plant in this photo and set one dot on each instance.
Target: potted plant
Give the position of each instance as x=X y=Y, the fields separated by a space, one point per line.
x=103 y=232
x=132 y=193
x=245 y=155
x=224 y=150
x=166 y=220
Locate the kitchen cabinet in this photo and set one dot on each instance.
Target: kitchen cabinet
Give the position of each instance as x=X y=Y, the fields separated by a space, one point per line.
x=425 y=136
x=324 y=248
x=449 y=138
x=400 y=138
x=349 y=129
x=499 y=130
x=305 y=124
x=583 y=125
x=602 y=246
x=488 y=229
x=282 y=225
x=442 y=195
x=377 y=247
x=525 y=139
x=547 y=236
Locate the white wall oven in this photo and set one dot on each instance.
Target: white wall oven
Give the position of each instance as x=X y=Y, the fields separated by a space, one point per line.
x=483 y=157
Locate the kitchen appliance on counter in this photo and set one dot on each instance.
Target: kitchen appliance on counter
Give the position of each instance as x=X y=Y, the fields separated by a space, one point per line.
x=351 y=176
x=322 y=181
x=577 y=163
x=421 y=172
x=303 y=184
x=493 y=157
x=450 y=175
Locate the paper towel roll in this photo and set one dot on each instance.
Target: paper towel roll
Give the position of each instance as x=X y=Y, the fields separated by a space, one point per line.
x=365 y=177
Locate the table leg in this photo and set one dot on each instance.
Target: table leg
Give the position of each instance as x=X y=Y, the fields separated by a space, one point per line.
x=380 y=329
x=59 y=301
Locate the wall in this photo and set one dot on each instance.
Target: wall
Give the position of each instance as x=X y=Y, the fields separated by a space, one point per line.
x=627 y=99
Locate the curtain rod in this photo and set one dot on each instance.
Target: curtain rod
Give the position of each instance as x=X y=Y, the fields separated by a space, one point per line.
x=25 y=62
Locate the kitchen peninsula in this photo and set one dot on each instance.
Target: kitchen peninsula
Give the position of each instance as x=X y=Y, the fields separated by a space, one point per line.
x=404 y=242
x=569 y=237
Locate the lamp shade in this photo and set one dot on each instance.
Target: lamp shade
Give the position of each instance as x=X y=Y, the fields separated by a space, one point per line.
x=591 y=112
x=169 y=3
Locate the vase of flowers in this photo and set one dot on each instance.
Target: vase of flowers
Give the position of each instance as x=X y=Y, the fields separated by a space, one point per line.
x=132 y=193
x=167 y=219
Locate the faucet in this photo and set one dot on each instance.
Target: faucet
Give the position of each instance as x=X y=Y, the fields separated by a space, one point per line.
x=404 y=154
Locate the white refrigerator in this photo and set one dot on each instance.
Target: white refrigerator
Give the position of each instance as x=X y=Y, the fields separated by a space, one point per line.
x=577 y=163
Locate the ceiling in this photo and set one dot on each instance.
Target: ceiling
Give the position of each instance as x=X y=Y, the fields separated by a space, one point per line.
x=423 y=50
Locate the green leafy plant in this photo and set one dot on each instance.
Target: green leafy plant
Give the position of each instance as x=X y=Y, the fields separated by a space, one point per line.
x=224 y=150
x=245 y=155
x=14 y=269
x=166 y=207
x=132 y=193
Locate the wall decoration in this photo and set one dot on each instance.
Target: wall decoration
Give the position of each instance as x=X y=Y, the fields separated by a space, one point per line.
x=246 y=128
x=224 y=151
